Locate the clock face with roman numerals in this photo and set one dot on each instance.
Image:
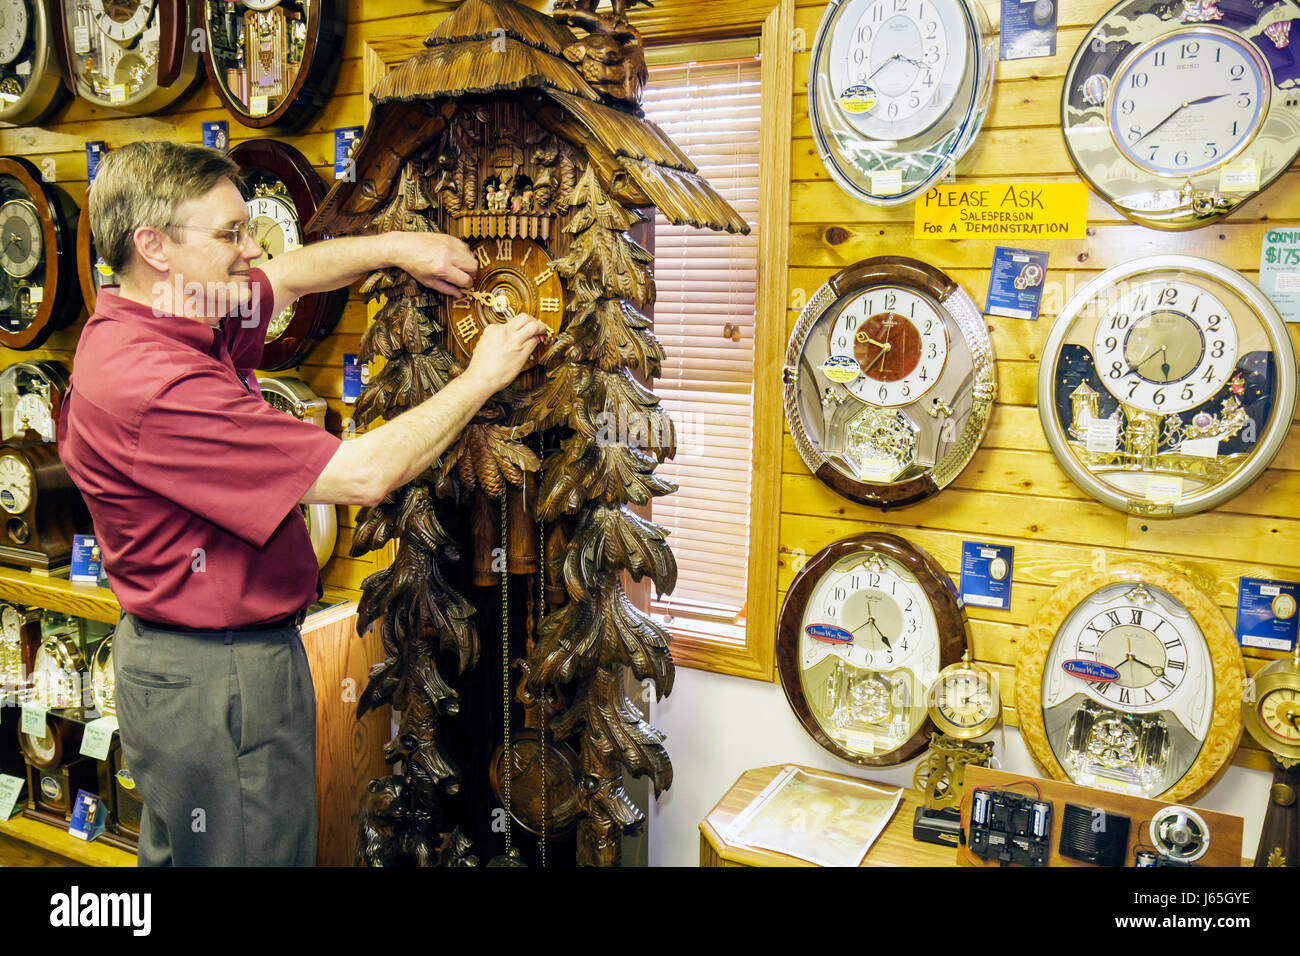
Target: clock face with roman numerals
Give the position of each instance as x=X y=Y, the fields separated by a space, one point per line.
x=514 y=276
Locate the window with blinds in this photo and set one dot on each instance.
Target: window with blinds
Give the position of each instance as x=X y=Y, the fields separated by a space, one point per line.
x=704 y=318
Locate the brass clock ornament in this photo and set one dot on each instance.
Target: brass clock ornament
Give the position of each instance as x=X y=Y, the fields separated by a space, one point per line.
x=134 y=56
x=31 y=397
x=889 y=381
x=37 y=223
x=1131 y=681
x=30 y=86
x=282 y=191
x=273 y=63
x=897 y=91
x=1177 y=113
x=864 y=630
x=1270 y=709
x=1167 y=385
x=296 y=398
x=964 y=700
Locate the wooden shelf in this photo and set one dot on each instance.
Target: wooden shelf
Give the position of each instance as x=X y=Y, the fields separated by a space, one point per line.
x=25 y=842
x=55 y=592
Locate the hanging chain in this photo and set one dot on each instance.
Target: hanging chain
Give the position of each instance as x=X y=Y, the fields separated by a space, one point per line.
x=508 y=770
x=541 y=588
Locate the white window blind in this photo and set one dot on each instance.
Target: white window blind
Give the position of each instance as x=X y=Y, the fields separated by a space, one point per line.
x=705 y=281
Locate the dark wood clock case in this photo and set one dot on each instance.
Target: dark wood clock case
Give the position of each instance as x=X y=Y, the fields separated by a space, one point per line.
x=59 y=216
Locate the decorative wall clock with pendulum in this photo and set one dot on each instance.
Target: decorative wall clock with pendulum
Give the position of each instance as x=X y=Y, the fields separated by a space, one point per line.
x=888 y=381
x=1270 y=709
x=274 y=62
x=1177 y=113
x=1167 y=385
x=897 y=91
x=37 y=264
x=31 y=397
x=30 y=86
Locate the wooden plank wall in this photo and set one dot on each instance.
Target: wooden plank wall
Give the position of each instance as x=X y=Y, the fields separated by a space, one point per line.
x=1013 y=492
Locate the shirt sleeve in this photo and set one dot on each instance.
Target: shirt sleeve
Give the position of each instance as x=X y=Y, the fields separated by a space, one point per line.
x=246 y=334
x=217 y=450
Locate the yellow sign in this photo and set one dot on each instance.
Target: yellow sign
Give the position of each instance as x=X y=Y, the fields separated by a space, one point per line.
x=1003 y=211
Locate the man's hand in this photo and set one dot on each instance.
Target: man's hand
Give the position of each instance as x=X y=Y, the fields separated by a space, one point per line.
x=435 y=259
x=504 y=349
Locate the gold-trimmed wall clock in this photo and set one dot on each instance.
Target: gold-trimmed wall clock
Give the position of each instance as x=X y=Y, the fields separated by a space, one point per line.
x=295 y=397
x=31 y=397
x=897 y=91
x=30 y=86
x=1270 y=710
x=864 y=631
x=1131 y=680
x=1167 y=385
x=1177 y=113
x=273 y=63
x=37 y=223
x=92 y=270
x=889 y=381
x=135 y=56
x=282 y=192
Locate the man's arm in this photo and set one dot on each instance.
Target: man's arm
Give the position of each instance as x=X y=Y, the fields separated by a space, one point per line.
x=366 y=468
x=435 y=259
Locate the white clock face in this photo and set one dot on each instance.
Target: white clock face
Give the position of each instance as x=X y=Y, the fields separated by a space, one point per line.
x=275 y=228
x=1165 y=346
x=32 y=411
x=1188 y=101
x=899 y=341
x=15 y=485
x=13 y=29
x=20 y=238
x=121 y=20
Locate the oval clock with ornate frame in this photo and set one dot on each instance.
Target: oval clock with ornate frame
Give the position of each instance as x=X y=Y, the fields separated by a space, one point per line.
x=864 y=631
x=91 y=270
x=889 y=381
x=36 y=259
x=30 y=85
x=274 y=63
x=282 y=191
x=1131 y=680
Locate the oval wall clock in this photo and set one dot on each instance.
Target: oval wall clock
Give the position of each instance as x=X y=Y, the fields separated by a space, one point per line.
x=1177 y=113
x=30 y=85
x=91 y=268
x=897 y=91
x=282 y=191
x=889 y=381
x=1167 y=385
x=37 y=262
x=273 y=63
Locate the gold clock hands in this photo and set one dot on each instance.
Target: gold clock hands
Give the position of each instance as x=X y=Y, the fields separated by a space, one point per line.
x=497 y=303
x=1181 y=106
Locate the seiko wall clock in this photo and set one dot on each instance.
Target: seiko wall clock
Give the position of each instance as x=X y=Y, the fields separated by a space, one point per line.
x=37 y=220
x=273 y=62
x=888 y=381
x=91 y=267
x=30 y=85
x=1131 y=680
x=282 y=191
x=136 y=56
x=1167 y=385
x=864 y=630
x=897 y=90
x=31 y=396
x=294 y=397
x=1176 y=113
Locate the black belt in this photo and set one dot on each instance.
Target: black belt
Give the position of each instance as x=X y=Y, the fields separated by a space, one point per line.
x=292 y=620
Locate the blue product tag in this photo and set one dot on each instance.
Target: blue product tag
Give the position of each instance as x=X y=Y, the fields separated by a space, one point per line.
x=986 y=574
x=216 y=134
x=87 y=562
x=1016 y=283
x=1028 y=29
x=1266 y=613
x=95 y=151
x=344 y=167
x=88 y=816
x=1279 y=271
x=351 y=379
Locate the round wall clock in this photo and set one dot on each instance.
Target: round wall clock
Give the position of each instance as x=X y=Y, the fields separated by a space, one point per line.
x=897 y=90
x=282 y=191
x=295 y=397
x=1131 y=680
x=888 y=381
x=864 y=630
x=31 y=397
x=36 y=261
x=1167 y=385
x=91 y=267
x=274 y=62
x=514 y=275
x=30 y=86
x=135 y=56
x=1176 y=113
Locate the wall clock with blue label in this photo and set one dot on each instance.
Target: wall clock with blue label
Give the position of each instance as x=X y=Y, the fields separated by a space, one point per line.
x=864 y=631
x=1167 y=385
x=1177 y=113
x=1131 y=681
x=30 y=86
x=897 y=91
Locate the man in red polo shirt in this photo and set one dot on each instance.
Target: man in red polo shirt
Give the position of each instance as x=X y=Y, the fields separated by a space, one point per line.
x=193 y=483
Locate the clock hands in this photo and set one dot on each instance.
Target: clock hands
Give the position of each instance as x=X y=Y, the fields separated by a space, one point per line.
x=1181 y=106
x=497 y=303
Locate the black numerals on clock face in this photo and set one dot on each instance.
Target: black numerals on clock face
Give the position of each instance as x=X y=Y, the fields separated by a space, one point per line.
x=1142 y=648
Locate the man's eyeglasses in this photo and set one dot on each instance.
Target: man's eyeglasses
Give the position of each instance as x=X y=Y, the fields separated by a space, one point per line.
x=237 y=235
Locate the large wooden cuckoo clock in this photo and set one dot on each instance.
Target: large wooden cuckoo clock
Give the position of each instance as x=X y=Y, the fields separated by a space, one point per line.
x=282 y=191
x=136 y=56
x=37 y=224
x=273 y=62
x=30 y=88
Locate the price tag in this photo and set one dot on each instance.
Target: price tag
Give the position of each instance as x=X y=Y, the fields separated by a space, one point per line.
x=98 y=737
x=259 y=105
x=33 y=720
x=1199 y=447
x=1240 y=175
x=24 y=68
x=864 y=743
x=10 y=788
x=1164 y=490
x=1279 y=271
x=1103 y=434
x=81 y=40
x=887 y=182
x=875 y=470
x=117 y=93
x=36 y=295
